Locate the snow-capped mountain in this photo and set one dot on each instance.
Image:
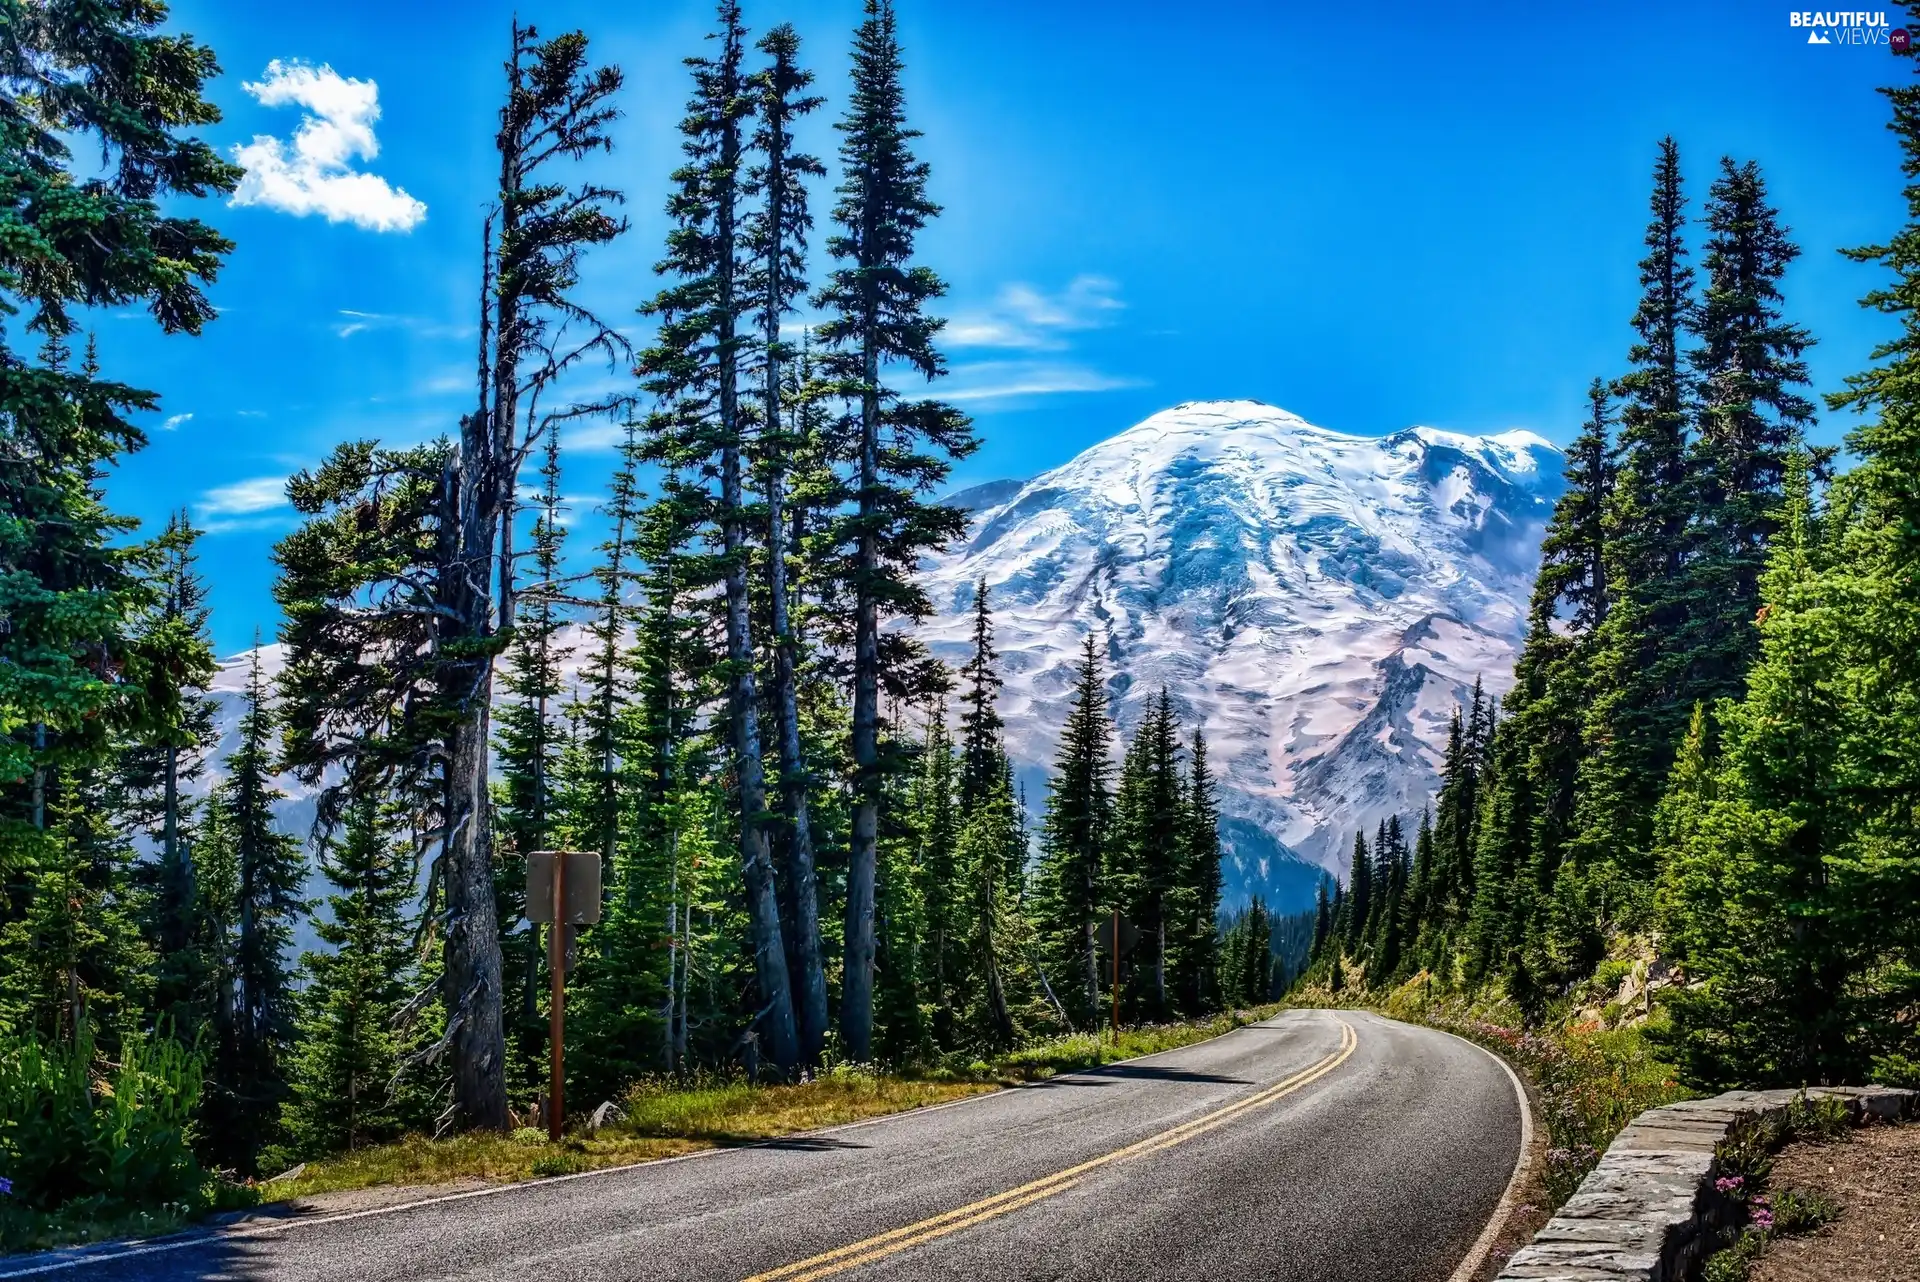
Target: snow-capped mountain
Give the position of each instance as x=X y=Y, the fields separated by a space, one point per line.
x=1318 y=603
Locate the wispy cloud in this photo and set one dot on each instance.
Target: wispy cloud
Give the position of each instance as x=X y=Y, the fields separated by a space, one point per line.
x=1001 y=380
x=251 y=413
x=1029 y=318
x=358 y=322
x=314 y=173
x=241 y=498
x=174 y=421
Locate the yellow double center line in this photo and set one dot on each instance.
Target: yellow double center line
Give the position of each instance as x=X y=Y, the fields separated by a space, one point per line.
x=882 y=1245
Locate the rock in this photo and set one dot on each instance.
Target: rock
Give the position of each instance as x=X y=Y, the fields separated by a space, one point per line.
x=1644 y=1213
x=292 y=1173
x=608 y=1112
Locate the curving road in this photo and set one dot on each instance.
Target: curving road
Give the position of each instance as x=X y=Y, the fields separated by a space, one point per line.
x=1322 y=1145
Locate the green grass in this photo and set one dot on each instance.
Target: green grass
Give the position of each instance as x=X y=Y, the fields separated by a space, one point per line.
x=665 y=1118
x=662 y=1121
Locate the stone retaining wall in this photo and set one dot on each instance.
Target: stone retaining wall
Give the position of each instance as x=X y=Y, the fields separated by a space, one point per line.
x=1648 y=1211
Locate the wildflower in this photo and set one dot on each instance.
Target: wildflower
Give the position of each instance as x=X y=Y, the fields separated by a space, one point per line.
x=1763 y=1219
x=1730 y=1184
x=6 y=1186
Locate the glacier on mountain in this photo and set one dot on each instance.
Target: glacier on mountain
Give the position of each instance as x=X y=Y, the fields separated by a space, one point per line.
x=1317 y=602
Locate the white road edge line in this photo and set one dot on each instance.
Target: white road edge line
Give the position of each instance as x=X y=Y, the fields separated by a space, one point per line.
x=246 y=1230
x=1477 y=1254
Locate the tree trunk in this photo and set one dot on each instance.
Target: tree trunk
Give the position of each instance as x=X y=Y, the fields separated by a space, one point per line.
x=472 y=983
x=812 y=1006
x=1093 y=958
x=743 y=702
x=856 y=997
x=170 y=810
x=996 y=991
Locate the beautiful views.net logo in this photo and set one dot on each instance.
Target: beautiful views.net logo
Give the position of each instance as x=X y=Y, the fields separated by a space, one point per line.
x=1842 y=28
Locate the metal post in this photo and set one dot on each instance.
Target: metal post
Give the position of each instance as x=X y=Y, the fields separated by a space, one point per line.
x=557 y=1003
x=1116 y=978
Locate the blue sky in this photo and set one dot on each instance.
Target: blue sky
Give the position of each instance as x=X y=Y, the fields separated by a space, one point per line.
x=1373 y=216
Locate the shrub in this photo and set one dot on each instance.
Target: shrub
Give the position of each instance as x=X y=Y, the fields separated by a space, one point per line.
x=1803 y=1211
x=119 y=1142
x=1735 y=1262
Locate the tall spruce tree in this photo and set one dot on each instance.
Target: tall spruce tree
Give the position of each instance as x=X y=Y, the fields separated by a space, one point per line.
x=899 y=450
x=1792 y=857
x=983 y=764
x=1751 y=419
x=1198 y=953
x=1638 y=714
x=695 y=370
x=1145 y=860
x=1359 y=901
x=1071 y=892
x=776 y=236
x=991 y=944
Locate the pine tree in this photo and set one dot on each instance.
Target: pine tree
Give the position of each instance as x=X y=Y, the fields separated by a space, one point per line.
x=1747 y=366
x=1322 y=920
x=1548 y=706
x=1636 y=719
x=1359 y=901
x=342 y=1073
x=1419 y=879
x=876 y=300
x=1072 y=894
x=250 y=1080
x=1248 y=954
x=1198 y=953
x=934 y=803
x=904 y=1001
x=1150 y=843
x=776 y=238
x=983 y=763
x=1748 y=892
x=74 y=956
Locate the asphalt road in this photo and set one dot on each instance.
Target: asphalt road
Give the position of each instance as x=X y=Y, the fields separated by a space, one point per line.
x=1321 y=1145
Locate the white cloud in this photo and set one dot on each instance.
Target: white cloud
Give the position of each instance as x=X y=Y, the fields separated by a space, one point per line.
x=259 y=494
x=999 y=380
x=315 y=174
x=174 y=421
x=1026 y=317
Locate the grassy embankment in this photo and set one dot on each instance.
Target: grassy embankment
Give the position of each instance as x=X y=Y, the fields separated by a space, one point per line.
x=667 y=1119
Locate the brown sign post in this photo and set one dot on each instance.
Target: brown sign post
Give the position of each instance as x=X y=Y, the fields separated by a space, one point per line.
x=563 y=889
x=1118 y=937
